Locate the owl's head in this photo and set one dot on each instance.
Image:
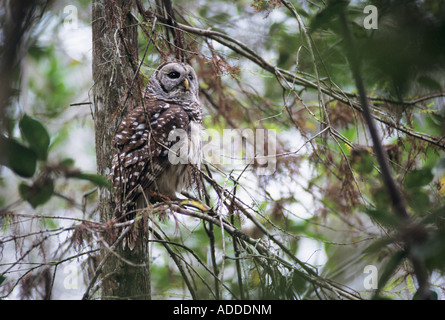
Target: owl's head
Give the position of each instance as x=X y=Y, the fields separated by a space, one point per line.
x=174 y=81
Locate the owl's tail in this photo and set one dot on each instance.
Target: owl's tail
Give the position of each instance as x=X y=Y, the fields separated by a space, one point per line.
x=126 y=214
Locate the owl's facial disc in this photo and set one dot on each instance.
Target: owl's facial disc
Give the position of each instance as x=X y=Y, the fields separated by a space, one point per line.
x=178 y=81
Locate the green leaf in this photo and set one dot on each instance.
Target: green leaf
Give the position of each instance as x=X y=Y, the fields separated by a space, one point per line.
x=67 y=162
x=385 y=217
x=438 y=214
x=362 y=161
x=389 y=269
x=382 y=200
x=429 y=83
x=38 y=193
x=17 y=157
x=378 y=245
x=36 y=135
x=97 y=179
x=432 y=251
x=299 y=283
x=418 y=178
x=2 y=279
x=419 y=201
x=327 y=14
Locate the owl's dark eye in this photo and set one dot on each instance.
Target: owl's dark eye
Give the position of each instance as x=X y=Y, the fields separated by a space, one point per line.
x=174 y=75
x=190 y=77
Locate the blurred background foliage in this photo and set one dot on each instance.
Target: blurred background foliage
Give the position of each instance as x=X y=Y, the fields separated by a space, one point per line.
x=325 y=202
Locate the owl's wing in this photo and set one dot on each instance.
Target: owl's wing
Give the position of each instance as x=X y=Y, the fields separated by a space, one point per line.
x=143 y=146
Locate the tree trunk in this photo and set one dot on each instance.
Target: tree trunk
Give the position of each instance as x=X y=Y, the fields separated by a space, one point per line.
x=115 y=59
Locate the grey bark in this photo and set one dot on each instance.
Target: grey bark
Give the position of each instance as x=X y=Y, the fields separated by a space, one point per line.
x=126 y=274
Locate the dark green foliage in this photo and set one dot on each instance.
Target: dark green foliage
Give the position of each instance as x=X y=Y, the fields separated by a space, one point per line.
x=326 y=15
x=19 y=158
x=408 y=45
x=96 y=179
x=35 y=134
x=38 y=193
x=23 y=159
x=389 y=269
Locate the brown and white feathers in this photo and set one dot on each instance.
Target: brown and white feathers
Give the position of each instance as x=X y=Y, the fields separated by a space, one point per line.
x=158 y=143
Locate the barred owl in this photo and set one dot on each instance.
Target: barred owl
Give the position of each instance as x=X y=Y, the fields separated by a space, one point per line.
x=158 y=144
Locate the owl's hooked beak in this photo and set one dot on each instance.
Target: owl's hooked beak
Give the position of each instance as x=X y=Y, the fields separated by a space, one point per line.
x=186 y=84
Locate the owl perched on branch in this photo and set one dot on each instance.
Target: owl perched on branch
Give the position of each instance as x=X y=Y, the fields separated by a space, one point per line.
x=158 y=143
